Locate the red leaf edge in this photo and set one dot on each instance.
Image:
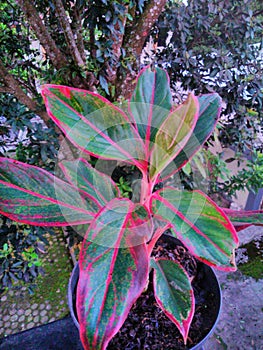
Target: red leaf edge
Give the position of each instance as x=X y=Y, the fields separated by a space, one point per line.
x=235 y=214
x=65 y=89
x=184 y=330
x=13 y=217
x=227 y=225
x=62 y=167
x=156 y=179
x=197 y=149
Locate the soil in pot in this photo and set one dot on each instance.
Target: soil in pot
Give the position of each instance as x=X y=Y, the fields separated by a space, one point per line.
x=147 y=327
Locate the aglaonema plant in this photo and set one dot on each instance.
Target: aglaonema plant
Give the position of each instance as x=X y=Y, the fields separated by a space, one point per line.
x=157 y=138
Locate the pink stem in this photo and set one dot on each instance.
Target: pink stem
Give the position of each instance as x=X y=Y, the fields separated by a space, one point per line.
x=145 y=188
x=156 y=236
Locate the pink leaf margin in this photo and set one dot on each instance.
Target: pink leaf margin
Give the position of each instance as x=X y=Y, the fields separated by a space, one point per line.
x=141 y=258
x=183 y=142
x=51 y=200
x=99 y=194
x=185 y=326
x=141 y=164
x=148 y=129
x=165 y=178
x=244 y=217
x=225 y=222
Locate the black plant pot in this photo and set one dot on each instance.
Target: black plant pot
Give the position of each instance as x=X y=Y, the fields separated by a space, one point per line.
x=210 y=285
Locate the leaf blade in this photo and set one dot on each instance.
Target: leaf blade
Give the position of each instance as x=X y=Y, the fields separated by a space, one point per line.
x=209 y=111
x=93 y=124
x=94 y=183
x=151 y=101
x=245 y=217
x=121 y=217
x=173 y=135
x=34 y=196
x=123 y=269
x=199 y=224
x=174 y=293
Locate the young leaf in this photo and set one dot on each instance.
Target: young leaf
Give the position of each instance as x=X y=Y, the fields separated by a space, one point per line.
x=174 y=293
x=93 y=124
x=92 y=182
x=199 y=224
x=209 y=111
x=34 y=196
x=173 y=135
x=151 y=102
x=111 y=278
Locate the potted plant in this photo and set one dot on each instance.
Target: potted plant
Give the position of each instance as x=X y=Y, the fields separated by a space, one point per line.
x=156 y=138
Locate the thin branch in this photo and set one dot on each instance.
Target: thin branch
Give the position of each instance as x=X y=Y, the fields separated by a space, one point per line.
x=13 y=87
x=78 y=32
x=27 y=83
x=64 y=22
x=37 y=25
x=27 y=63
x=27 y=87
x=258 y=13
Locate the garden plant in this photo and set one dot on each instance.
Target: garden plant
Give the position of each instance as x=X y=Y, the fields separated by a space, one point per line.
x=98 y=46
x=156 y=138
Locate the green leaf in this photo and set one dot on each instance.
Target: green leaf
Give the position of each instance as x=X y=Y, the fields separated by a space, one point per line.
x=151 y=101
x=110 y=282
x=92 y=182
x=93 y=124
x=132 y=220
x=200 y=164
x=245 y=217
x=199 y=224
x=114 y=267
x=209 y=110
x=104 y=84
x=173 y=135
x=34 y=196
x=187 y=169
x=174 y=293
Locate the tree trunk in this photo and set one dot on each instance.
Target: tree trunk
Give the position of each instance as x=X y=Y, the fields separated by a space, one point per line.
x=13 y=87
x=37 y=25
x=64 y=22
x=134 y=41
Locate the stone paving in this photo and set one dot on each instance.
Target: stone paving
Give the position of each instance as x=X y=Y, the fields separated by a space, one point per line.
x=21 y=311
x=240 y=325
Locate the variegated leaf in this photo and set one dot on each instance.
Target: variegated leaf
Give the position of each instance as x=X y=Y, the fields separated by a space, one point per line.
x=199 y=224
x=209 y=111
x=151 y=102
x=34 y=196
x=245 y=217
x=93 y=124
x=174 y=293
x=95 y=184
x=111 y=278
x=173 y=135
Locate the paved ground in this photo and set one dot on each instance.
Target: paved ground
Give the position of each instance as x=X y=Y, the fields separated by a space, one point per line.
x=240 y=326
x=241 y=321
x=21 y=311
